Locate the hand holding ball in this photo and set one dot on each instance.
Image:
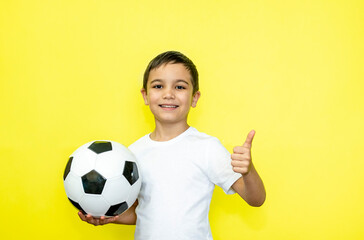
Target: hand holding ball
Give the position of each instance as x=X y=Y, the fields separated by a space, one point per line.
x=102 y=178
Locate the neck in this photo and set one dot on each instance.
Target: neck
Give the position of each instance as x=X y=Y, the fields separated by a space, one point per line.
x=165 y=132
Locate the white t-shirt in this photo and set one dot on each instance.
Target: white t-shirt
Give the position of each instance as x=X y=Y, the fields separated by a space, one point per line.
x=178 y=179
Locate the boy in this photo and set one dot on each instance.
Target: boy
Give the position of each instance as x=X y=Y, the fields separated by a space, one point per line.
x=180 y=166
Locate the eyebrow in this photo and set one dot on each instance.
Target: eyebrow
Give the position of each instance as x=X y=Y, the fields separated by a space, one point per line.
x=155 y=80
x=181 y=80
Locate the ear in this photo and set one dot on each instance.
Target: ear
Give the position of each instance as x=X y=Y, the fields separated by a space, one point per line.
x=195 y=99
x=145 y=96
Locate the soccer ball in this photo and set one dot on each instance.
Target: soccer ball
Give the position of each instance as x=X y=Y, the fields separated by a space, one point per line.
x=102 y=178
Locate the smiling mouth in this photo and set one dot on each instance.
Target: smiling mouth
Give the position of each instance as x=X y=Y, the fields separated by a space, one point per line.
x=168 y=106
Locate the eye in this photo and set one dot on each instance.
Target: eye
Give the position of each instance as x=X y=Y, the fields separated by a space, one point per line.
x=180 y=87
x=158 y=86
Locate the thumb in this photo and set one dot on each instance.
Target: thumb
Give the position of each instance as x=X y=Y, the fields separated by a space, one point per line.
x=249 y=139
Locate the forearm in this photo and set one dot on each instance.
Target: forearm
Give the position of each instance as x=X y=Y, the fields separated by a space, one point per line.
x=254 y=191
x=251 y=188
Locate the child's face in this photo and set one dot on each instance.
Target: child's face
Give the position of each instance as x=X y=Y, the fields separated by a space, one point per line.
x=169 y=93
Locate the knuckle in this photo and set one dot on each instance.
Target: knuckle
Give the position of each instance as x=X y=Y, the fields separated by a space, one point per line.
x=236 y=156
x=238 y=149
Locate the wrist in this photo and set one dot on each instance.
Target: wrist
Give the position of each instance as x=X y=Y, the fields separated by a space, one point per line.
x=250 y=171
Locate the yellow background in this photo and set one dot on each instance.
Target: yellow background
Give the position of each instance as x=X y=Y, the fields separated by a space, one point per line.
x=71 y=72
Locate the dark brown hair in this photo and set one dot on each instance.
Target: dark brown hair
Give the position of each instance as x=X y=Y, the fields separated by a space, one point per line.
x=172 y=57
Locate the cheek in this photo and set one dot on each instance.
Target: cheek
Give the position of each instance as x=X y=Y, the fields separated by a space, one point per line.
x=187 y=100
x=153 y=98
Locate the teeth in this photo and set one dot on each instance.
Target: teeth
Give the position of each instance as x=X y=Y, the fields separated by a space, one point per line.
x=168 y=106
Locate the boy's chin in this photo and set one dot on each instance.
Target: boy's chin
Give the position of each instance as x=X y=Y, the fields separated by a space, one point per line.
x=170 y=121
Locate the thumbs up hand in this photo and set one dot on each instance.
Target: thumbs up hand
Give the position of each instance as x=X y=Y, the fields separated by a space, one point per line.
x=241 y=159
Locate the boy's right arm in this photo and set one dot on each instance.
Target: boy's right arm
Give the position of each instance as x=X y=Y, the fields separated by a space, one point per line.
x=128 y=217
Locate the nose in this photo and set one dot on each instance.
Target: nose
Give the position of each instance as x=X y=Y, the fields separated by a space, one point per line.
x=168 y=93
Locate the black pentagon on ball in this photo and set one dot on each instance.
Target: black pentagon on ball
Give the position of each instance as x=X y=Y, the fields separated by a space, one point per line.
x=77 y=206
x=100 y=146
x=131 y=172
x=117 y=209
x=68 y=168
x=93 y=182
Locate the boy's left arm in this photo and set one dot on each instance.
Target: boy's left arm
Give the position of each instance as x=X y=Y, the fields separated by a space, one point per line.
x=250 y=186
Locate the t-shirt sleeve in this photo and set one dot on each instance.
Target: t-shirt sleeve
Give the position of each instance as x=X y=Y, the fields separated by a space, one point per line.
x=220 y=171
